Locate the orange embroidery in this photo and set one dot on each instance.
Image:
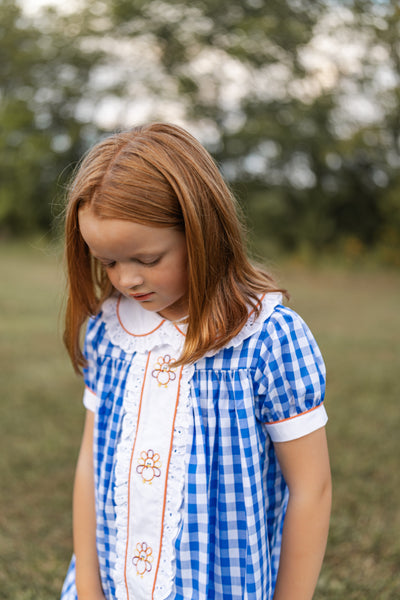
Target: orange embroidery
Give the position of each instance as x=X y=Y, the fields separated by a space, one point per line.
x=164 y=372
x=149 y=466
x=143 y=558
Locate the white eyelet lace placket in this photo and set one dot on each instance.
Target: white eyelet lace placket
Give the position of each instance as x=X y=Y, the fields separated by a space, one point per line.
x=151 y=454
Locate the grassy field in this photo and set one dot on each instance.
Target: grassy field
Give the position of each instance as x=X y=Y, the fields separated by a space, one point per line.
x=355 y=316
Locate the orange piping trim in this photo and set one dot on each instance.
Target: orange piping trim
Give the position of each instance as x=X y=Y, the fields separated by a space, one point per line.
x=176 y=326
x=166 y=481
x=294 y=416
x=135 y=334
x=129 y=477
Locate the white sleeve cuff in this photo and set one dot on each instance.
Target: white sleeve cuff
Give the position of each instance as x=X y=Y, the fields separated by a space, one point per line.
x=298 y=426
x=89 y=400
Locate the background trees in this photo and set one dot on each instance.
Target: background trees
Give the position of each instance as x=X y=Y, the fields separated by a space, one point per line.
x=296 y=99
x=44 y=75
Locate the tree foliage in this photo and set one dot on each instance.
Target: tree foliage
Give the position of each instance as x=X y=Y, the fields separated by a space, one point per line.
x=296 y=99
x=43 y=77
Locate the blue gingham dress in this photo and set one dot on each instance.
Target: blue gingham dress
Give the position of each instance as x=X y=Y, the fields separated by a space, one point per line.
x=267 y=385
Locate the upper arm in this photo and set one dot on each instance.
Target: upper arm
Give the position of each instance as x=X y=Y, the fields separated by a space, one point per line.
x=85 y=459
x=305 y=464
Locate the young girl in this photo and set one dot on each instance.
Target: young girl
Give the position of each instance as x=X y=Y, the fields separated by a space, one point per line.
x=203 y=471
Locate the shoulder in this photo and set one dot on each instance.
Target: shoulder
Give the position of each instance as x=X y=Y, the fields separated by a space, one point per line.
x=97 y=338
x=275 y=322
x=95 y=328
x=255 y=322
x=277 y=341
x=284 y=324
x=94 y=324
x=287 y=345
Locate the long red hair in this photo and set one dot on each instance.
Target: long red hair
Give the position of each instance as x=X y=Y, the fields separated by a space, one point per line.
x=159 y=175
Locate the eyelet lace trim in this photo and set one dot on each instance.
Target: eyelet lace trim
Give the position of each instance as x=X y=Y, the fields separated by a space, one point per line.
x=175 y=481
x=164 y=332
x=168 y=333
x=268 y=303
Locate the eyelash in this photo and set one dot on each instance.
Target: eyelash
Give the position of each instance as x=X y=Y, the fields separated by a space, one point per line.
x=145 y=264
x=150 y=264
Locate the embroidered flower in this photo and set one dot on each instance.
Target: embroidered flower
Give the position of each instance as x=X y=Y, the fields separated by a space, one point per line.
x=143 y=558
x=149 y=466
x=164 y=372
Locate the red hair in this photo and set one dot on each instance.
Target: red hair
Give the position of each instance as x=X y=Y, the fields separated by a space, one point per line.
x=159 y=175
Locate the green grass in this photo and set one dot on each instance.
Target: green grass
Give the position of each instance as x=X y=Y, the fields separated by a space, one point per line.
x=355 y=316
x=40 y=421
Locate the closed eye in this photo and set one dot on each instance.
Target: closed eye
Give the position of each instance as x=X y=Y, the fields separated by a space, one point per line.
x=149 y=263
x=108 y=265
x=144 y=262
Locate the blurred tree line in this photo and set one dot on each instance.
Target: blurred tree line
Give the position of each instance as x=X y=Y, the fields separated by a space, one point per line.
x=298 y=101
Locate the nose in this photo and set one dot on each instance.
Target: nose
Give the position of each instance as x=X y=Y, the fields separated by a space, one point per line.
x=129 y=276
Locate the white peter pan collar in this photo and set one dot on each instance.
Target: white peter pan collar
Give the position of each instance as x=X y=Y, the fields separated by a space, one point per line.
x=135 y=329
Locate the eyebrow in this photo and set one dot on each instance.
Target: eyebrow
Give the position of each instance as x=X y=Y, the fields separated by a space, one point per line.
x=139 y=256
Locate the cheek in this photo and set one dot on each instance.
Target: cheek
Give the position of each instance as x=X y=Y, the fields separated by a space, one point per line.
x=112 y=277
x=173 y=282
x=179 y=278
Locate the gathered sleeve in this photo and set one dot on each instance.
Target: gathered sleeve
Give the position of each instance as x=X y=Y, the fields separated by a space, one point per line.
x=290 y=378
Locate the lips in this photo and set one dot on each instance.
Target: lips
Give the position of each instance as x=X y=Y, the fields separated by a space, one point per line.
x=141 y=297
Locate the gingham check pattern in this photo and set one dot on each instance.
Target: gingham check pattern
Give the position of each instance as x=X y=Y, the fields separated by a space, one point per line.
x=235 y=497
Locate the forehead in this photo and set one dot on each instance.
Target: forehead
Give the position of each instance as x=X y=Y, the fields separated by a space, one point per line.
x=119 y=237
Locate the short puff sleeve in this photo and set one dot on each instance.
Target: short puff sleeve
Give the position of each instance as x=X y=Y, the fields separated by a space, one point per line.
x=290 y=377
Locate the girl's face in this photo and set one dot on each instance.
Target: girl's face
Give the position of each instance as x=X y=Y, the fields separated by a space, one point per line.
x=148 y=264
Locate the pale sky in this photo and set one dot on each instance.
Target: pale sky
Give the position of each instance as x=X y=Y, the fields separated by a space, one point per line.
x=31 y=6
x=324 y=59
